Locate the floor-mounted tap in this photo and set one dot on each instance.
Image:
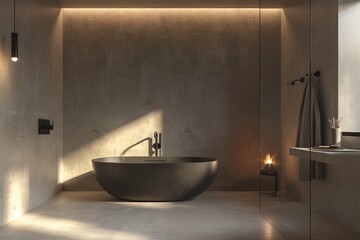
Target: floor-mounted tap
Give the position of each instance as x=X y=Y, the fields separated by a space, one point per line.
x=157 y=144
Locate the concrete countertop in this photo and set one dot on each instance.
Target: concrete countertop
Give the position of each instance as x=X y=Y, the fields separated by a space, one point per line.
x=339 y=157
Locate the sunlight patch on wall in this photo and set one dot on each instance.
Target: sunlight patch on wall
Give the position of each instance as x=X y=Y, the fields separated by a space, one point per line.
x=349 y=68
x=4 y=71
x=60 y=178
x=16 y=197
x=131 y=139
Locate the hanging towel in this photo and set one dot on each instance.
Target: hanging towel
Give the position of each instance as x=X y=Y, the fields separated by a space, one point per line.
x=309 y=131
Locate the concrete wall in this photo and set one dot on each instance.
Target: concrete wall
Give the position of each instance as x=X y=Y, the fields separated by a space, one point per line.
x=335 y=197
x=302 y=42
x=295 y=63
x=349 y=69
x=270 y=92
x=29 y=89
x=191 y=74
x=324 y=57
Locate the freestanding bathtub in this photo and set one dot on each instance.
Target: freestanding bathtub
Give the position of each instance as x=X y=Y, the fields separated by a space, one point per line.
x=155 y=178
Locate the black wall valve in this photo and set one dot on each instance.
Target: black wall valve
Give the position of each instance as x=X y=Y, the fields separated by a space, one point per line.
x=44 y=126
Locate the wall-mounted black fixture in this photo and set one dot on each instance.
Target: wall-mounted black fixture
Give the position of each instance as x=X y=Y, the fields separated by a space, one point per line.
x=44 y=126
x=302 y=79
x=14 y=43
x=317 y=73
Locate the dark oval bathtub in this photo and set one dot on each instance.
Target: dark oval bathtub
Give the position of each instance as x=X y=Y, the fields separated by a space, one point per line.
x=155 y=178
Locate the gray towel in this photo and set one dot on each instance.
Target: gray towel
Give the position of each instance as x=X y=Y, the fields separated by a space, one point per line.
x=309 y=131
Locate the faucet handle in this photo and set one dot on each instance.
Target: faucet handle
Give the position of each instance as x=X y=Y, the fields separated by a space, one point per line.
x=155 y=134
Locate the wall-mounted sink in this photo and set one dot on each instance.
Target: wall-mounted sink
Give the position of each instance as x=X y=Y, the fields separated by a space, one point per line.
x=338 y=150
x=335 y=156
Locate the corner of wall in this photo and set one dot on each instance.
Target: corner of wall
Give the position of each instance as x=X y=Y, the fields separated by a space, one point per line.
x=30 y=89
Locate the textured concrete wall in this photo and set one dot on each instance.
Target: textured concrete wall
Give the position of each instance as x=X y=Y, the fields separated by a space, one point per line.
x=29 y=89
x=335 y=196
x=295 y=62
x=324 y=53
x=270 y=92
x=349 y=69
x=295 y=59
x=191 y=74
x=296 y=54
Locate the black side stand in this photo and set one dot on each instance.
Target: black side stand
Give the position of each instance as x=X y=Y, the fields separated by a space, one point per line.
x=272 y=173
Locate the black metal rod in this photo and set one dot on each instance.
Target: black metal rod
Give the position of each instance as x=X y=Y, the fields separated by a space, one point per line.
x=14 y=15
x=14 y=46
x=14 y=40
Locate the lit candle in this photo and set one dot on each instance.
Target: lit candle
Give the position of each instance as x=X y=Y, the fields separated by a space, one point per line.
x=269 y=162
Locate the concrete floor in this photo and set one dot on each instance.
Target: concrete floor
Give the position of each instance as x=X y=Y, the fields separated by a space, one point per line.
x=96 y=215
x=292 y=219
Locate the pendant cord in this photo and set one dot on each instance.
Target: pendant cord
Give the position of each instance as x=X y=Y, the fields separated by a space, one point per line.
x=14 y=15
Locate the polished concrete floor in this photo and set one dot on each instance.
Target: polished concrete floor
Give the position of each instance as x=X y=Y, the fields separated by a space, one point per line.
x=292 y=219
x=96 y=215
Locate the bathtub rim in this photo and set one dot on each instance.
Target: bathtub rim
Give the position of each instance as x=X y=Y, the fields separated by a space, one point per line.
x=152 y=160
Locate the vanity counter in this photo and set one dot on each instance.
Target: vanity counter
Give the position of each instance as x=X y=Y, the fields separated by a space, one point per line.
x=341 y=157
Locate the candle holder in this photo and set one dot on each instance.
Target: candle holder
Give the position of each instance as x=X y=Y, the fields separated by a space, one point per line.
x=269 y=167
x=269 y=170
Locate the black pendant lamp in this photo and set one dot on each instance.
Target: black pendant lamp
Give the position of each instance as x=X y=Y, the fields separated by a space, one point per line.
x=14 y=42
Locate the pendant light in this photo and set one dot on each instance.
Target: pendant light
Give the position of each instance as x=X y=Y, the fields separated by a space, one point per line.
x=14 y=42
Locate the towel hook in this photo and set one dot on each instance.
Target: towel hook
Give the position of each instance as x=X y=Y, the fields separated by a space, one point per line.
x=302 y=79
x=292 y=83
x=317 y=73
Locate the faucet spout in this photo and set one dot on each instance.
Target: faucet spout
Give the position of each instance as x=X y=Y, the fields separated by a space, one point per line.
x=157 y=144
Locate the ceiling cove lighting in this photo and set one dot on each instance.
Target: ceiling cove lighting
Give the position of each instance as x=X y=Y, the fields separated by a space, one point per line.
x=168 y=9
x=14 y=42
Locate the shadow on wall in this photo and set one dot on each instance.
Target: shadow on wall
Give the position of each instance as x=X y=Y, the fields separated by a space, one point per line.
x=78 y=173
x=83 y=182
x=88 y=182
x=150 y=151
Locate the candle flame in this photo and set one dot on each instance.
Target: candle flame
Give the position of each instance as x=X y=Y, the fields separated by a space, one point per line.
x=268 y=159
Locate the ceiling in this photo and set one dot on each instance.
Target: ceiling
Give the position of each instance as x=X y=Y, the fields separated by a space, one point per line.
x=171 y=3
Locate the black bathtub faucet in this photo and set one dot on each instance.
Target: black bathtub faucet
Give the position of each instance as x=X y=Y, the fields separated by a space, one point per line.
x=157 y=144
